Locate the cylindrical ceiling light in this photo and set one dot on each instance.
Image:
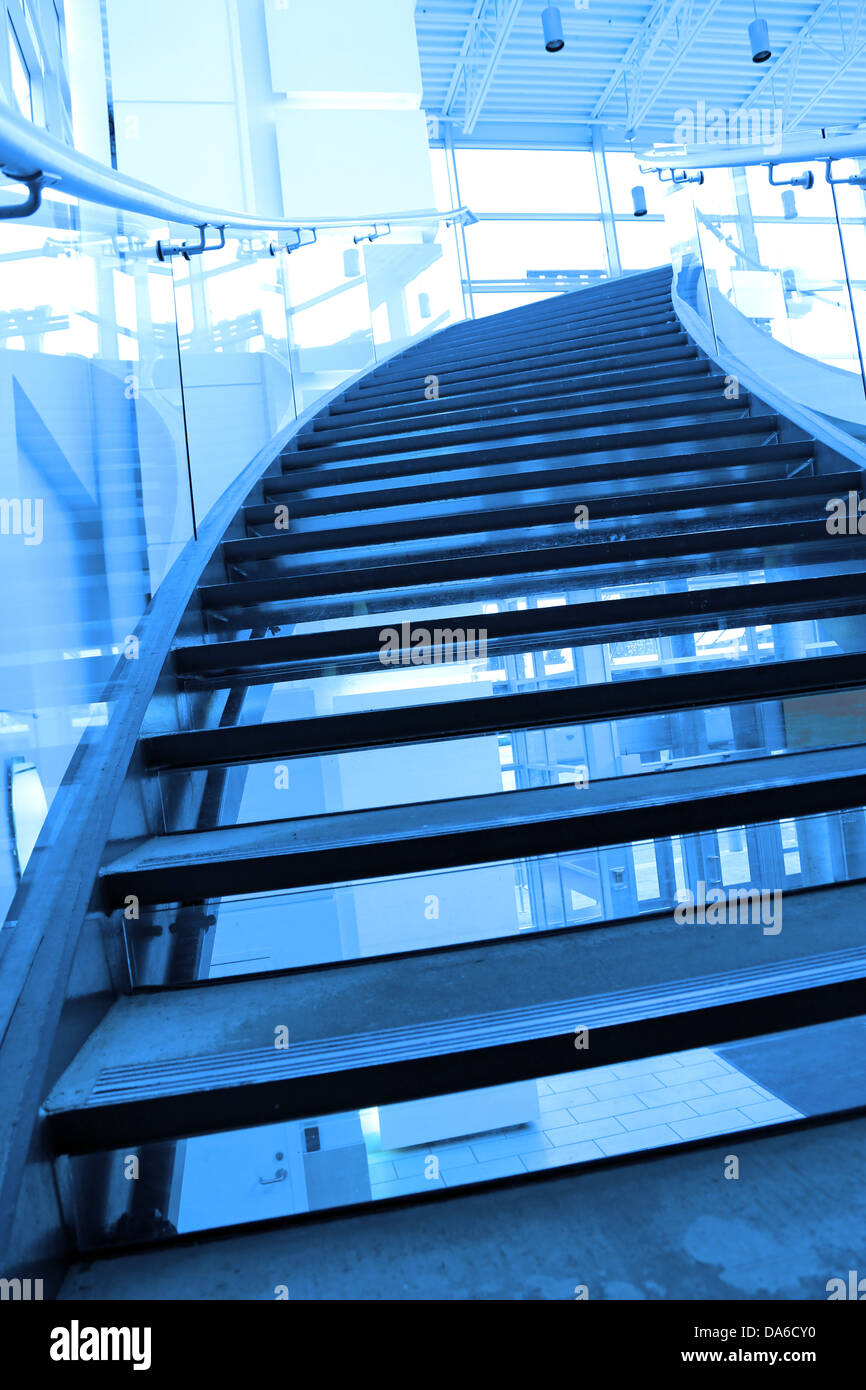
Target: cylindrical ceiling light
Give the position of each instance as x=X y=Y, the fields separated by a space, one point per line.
x=551 y=23
x=789 y=205
x=638 y=198
x=759 y=38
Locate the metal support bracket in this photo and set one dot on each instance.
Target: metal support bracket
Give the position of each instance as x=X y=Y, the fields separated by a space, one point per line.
x=33 y=202
x=375 y=234
x=676 y=176
x=466 y=219
x=165 y=251
x=290 y=246
x=804 y=180
x=858 y=180
x=683 y=176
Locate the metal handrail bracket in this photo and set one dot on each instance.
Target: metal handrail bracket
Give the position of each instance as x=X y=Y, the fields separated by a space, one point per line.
x=165 y=250
x=33 y=202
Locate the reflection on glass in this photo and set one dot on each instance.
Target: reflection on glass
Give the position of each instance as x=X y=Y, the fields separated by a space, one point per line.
x=413 y=283
x=442 y=1142
x=778 y=293
x=96 y=502
x=22 y=86
x=623 y=173
x=231 y=316
x=136 y=389
x=416 y=912
x=330 y=329
x=851 y=211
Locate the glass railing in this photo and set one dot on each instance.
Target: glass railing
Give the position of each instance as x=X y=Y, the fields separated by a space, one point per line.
x=776 y=274
x=138 y=383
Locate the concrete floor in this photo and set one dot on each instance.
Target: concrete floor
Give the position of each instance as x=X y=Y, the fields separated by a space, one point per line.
x=669 y=1227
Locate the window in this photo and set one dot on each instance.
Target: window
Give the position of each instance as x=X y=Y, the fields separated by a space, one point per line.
x=623 y=173
x=539 y=227
x=22 y=86
x=517 y=250
x=33 y=77
x=522 y=181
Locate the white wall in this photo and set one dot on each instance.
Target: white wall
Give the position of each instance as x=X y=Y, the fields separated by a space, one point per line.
x=259 y=105
x=351 y=134
x=178 y=94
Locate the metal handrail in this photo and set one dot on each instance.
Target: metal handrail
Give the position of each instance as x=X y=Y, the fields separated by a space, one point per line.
x=734 y=156
x=28 y=154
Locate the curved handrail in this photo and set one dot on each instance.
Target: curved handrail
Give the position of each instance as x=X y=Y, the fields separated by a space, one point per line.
x=28 y=153
x=708 y=156
x=822 y=427
x=711 y=222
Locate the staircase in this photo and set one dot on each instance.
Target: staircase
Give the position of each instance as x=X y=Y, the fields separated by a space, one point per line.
x=518 y=477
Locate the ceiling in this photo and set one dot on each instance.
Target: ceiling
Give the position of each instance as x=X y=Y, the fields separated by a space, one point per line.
x=631 y=65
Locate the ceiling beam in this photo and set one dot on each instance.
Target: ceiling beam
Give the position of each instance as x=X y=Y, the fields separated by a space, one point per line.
x=458 y=76
x=691 y=29
x=788 y=62
x=507 y=11
x=845 y=30
x=853 y=55
x=662 y=14
x=855 y=46
x=486 y=36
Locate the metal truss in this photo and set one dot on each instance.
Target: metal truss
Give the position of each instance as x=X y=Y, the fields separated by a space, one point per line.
x=836 y=32
x=482 y=48
x=667 y=33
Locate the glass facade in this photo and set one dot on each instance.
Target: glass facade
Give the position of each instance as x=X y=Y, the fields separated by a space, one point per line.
x=540 y=228
x=34 y=77
x=780 y=256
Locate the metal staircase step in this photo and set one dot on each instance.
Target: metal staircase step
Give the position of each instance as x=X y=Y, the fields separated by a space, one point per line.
x=161 y=1066
x=418 y=838
x=359 y=531
x=532 y=629
x=495 y=714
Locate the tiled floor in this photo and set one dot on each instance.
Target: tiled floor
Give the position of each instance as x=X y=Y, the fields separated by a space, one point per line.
x=607 y=1111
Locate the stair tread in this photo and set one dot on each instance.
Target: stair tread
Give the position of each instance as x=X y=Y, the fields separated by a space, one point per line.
x=507 y=1005
x=574 y=624
x=361 y=576
x=394 y=725
x=548 y=387
x=476 y=829
x=685 y=404
x=441 y=412
x=507 y=475
x=726 y=421
x=460 y=523
x=575 y=369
